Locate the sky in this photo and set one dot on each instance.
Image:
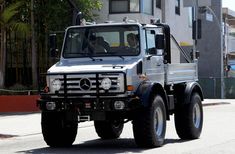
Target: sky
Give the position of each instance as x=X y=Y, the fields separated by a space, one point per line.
x=229 y=4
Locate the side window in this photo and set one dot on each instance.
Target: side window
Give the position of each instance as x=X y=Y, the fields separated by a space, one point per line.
x=150 y=42
x=74 y=43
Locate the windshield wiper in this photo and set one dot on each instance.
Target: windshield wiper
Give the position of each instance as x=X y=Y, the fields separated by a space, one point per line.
x=114 y=53
x=121 y=57
x=94 y=59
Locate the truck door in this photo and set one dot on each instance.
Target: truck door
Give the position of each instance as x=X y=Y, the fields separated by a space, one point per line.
x=153 y=61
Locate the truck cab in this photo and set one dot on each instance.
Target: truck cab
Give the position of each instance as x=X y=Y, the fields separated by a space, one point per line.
x=113 y=73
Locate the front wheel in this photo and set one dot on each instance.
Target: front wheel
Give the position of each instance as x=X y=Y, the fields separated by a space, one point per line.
x=109 y=129
x=57 y=131
x=189 y=118
x=150 y=126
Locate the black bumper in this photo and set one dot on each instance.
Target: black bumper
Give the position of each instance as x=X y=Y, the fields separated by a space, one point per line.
x=89 y=104
x=96 y=109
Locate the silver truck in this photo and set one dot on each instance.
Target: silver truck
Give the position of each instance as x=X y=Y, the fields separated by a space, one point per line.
x=113 y=73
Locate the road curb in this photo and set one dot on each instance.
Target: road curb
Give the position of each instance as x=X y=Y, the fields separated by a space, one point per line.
x=217 y=103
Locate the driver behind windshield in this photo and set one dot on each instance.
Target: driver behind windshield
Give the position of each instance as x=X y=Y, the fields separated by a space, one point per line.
x=133 y=42
x=94 y=46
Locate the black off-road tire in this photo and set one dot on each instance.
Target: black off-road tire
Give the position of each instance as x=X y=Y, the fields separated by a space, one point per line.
x=189 y=118
x=57 y=131
x=109 y=129
x=150 y=125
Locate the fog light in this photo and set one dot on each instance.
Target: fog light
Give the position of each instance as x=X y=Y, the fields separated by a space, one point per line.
x=119 y=105
x=50 y=105
x=106 y=83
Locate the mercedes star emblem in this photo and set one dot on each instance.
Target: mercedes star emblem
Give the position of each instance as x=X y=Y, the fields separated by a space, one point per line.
x=85 y=84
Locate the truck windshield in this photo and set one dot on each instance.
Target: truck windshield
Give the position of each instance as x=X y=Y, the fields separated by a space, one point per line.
x=102 y=41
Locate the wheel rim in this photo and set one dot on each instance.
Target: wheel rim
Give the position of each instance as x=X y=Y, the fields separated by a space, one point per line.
x=158 y=122
x=196 y=116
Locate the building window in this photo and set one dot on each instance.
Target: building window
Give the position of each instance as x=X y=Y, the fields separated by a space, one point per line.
x=177 y=7
x=124 y=6
x=148 y=6
x=159 y=4
x=134 y=6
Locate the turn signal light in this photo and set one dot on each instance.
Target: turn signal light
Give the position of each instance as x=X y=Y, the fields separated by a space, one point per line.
x=130 y=88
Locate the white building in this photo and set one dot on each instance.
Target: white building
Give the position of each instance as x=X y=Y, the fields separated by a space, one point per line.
x=171 y=12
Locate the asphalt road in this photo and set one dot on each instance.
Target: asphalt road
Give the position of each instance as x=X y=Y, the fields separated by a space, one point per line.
x=22 y=134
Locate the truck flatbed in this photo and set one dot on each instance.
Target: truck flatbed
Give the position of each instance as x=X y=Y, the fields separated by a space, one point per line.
x=181 y=73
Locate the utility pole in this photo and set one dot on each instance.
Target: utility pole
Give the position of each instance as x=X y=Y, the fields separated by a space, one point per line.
x=219 y=23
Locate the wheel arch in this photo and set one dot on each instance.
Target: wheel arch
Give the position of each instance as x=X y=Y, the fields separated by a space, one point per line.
x=190 y=89
x=147 y=90
x=187 y=90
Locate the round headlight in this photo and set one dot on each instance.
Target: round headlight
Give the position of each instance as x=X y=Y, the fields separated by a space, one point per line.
x=56 y=85
x=106 y=83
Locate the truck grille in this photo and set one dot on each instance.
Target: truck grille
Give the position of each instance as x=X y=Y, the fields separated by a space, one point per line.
x=90 y=83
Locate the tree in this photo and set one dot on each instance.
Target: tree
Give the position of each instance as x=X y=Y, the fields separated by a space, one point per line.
x=37 y=18
x=8 y=20
x=34 y=48
x=50 y=14
x=84 y=6
x=3 y=49
x=87 y=7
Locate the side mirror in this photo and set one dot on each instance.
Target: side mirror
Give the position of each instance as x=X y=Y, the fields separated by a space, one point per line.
x=53 y=45
x=160 y=41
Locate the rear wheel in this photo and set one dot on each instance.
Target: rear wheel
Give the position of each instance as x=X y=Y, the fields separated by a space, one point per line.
x=150 y=126
x=189 y=118
x=57 y=131
x=109 y=129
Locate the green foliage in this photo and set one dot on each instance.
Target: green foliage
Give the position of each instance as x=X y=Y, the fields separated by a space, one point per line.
x=86 y=7
x=11 y=17
x=21 y=28
x=56 y=15
x=10 y=11
x=50 y=16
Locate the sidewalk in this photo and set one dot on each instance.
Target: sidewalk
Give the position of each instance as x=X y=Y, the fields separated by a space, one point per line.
x=26 y=124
